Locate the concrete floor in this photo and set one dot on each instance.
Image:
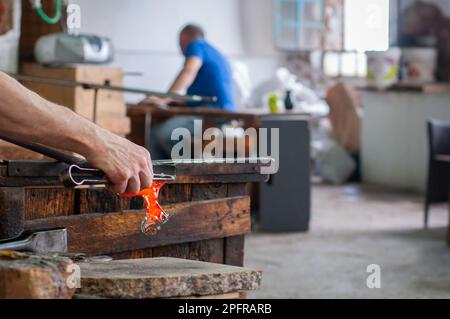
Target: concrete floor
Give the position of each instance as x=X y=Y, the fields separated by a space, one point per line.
x=353 y=227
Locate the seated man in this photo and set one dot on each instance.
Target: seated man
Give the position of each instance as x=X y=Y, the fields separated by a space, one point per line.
x=206 y=72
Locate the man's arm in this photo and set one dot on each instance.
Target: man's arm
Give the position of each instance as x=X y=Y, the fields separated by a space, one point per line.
x=187 y=75
x=27 y=116
x=182 y=82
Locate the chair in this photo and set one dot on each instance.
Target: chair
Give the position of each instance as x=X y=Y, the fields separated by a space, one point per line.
x=438 y=170
x=345 y=117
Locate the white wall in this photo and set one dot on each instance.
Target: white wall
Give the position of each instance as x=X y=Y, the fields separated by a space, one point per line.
x=145 y=34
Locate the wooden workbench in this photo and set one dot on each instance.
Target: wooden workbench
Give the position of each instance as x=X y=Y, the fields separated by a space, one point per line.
x=143 y=117
x=208 y=203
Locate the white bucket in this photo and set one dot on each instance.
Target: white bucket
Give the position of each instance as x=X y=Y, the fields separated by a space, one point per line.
x=383 y=67
x=419 y=65
x=9 y=43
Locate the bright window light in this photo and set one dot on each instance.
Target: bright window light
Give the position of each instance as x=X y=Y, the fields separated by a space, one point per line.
x=366 y=25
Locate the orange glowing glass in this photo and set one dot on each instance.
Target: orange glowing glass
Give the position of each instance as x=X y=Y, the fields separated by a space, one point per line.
x=155 y=216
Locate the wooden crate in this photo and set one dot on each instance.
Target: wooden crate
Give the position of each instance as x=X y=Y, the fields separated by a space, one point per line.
x=111 y=107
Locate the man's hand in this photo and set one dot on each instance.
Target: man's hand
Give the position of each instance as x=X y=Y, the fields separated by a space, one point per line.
x=127 y=165
x=157 y=101
x=27 y=116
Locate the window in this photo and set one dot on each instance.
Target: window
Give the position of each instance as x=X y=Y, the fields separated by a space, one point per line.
x=342 y=29
x=366 y=25
x=299 y=24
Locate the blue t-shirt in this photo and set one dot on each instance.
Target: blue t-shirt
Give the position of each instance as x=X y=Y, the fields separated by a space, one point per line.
x=215 y=76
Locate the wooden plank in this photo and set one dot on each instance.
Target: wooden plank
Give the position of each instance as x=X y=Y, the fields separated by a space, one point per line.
x=98 y=200
x=134 y=254
x=175 y=193
x=11 y=212
x=137 y=131
x=208 y=191
x=97 y=234
x=48 y=202
x=237 y=189
x=234 y=251
x=180 y=251
x=223 y=178
x=207 y=250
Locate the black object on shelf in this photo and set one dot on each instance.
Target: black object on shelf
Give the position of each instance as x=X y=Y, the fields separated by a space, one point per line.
x=288 y=104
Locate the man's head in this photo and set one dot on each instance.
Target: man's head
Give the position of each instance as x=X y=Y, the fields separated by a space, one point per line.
x=189 y=33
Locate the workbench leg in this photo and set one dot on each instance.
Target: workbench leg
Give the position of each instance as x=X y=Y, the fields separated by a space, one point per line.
x=234 y=251
x=148 y=131
x=12 y=210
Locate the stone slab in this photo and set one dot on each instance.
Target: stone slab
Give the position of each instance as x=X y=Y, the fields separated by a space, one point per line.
x=164 y=278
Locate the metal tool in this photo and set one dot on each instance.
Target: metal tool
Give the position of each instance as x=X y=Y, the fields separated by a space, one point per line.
x=79 y=172
x=97 y=87
x=93 y=86
x=41 y=242
x=76 y=175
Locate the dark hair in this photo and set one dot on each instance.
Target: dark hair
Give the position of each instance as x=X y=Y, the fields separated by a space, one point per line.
x=193 y=30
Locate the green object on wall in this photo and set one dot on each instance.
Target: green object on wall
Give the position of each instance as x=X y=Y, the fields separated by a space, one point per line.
x=49 y=20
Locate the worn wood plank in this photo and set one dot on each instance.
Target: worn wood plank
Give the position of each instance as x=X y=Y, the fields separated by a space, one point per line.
x=208 y=191
x=98 y=200
x=207 y=250
x=223 y=178
x=133 y=254
x=11 y=212
x=180 y=251
x=137 y=132
x=237 y=189
x=48 y=202
x=234 y=251
x=118 y=232
x=175 y=193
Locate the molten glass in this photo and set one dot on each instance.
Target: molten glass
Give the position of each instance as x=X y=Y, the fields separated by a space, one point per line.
x=155 y=216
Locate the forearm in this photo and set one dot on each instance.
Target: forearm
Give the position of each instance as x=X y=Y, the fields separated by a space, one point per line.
x=25 y=115
x=184 y=79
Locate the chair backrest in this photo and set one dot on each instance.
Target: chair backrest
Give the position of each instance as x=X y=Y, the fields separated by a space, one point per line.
x=438 y=172
x=344 y=117
x=439 y=137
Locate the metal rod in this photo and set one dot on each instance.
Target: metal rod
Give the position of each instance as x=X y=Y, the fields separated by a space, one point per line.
x=92 y=86
x=94 y=115
x=41 y=149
